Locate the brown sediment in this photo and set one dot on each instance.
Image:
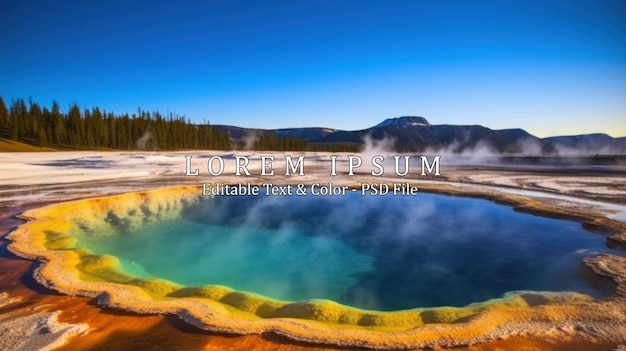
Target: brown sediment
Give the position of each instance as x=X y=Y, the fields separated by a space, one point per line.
x=211 y=308
x=35 y=331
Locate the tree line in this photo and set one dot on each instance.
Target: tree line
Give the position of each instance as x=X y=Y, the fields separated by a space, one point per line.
x=95 y=128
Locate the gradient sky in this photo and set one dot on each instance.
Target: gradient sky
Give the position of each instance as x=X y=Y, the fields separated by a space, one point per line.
x=550 y=67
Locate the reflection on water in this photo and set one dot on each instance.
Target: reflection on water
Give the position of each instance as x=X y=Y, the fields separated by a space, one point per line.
x=384 y=253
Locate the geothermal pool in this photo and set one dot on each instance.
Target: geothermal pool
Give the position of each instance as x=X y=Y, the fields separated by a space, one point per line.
x=377 y=253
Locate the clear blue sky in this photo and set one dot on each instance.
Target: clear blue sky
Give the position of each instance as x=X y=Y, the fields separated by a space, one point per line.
x=550 y=67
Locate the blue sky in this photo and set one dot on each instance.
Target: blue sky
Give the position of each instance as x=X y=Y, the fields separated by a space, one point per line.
x=550 y=67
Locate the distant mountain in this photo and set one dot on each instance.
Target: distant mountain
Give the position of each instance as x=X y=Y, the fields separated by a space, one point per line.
x=416 y=134
x=406 y=121
x=305 y=133
x=239 y=133
x=588 y=143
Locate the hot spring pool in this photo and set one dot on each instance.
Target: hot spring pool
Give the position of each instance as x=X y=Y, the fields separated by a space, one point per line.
x=375 y=253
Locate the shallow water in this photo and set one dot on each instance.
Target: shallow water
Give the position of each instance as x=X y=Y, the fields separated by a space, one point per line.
x=383 y=253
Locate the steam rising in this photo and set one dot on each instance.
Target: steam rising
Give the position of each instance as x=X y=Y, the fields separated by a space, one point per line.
x=372 y=147
x=465 y=150
x=249 y=140
x=384 y=253
x=144 y=140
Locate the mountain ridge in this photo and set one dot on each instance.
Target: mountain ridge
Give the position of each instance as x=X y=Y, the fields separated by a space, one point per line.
x=416 y=134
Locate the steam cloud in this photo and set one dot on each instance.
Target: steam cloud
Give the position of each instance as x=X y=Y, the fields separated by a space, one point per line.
x=144 y=140
x=464 y=150
x=249 y=140
x=352 y=240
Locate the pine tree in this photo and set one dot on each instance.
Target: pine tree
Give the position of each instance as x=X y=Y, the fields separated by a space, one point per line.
x=60 y=129
x=4 y=119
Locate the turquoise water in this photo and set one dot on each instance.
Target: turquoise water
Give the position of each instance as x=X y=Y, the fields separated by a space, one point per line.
x=384 y=253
